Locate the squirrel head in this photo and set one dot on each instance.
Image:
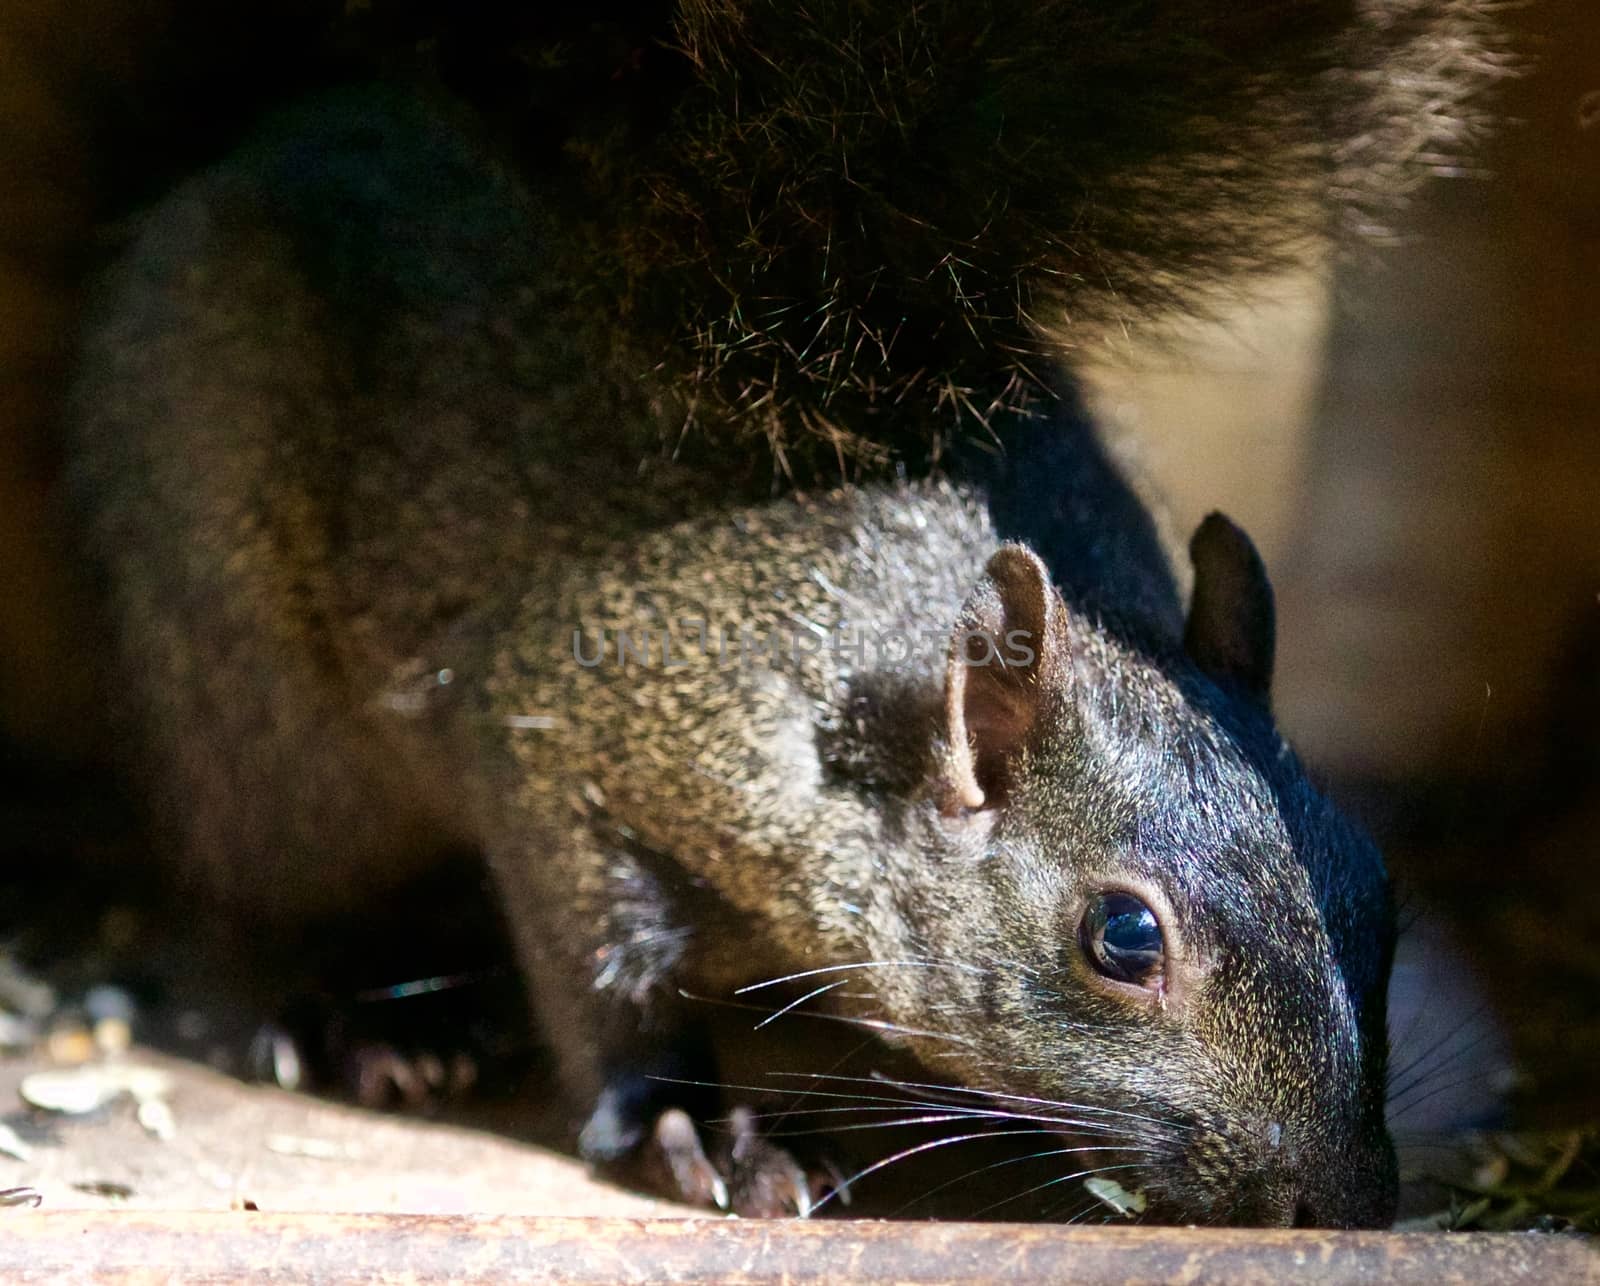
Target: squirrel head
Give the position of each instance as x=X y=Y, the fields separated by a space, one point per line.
x=1166 y=929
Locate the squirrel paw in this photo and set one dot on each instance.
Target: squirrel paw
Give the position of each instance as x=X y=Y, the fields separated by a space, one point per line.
x=765 y=1180
x=377 y=1075
x=728 y=1165
x=750 y=1176
x=675 y=1146
x=370 y=1073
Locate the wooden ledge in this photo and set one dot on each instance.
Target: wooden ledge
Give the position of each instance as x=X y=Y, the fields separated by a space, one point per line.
x=256 y=1247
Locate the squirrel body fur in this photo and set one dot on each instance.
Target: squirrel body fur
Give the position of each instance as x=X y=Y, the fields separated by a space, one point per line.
x=375 y=436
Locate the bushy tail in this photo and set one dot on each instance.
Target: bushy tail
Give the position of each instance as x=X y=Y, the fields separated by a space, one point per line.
x=865 y=222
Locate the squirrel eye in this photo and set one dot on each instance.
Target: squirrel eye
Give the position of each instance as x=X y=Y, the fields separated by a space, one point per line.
x=1122 y=938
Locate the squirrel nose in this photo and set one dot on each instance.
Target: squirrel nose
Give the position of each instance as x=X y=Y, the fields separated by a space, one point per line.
x=1357 y=1190
x=1350 y=1186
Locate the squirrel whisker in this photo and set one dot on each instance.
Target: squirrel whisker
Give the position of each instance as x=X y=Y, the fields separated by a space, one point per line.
x=1416 y=1100
x=1050 y=1183
x=1420 y=1063
x=795 y=1004
x=989 y=1094
x=934 y=1118
x=864 y=1103
x=862 y=964
x=996 y=1165
x=917 y=1150
x=870 y=1024
x=1081 y=1212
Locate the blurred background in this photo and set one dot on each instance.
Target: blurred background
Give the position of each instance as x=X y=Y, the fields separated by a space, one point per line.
x=1413 y=438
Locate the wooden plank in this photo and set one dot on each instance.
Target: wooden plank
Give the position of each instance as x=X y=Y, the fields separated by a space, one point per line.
x=139 y=1247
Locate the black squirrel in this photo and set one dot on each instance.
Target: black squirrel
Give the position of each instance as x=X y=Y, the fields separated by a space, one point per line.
x=376 y=436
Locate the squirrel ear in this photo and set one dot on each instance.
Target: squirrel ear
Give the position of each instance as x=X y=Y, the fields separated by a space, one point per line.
x=1231 y=631
x=1008 y=648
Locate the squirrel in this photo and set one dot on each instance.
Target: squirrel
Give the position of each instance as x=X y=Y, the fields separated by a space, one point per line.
x=419 y=480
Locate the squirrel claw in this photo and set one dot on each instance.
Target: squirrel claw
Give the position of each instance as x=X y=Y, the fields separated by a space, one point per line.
x=750 y=1177
x=379 y=1076
x=677 y=1141
x=767 y=1181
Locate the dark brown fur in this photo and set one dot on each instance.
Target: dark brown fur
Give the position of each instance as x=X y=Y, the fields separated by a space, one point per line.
x=373 y=413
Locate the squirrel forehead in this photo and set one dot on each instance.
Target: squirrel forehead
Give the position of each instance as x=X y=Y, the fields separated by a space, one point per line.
x=1130 y=731
x=1164 y=790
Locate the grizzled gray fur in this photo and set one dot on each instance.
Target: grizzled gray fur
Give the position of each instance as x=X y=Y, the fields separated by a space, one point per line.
x=371 y=472
x=733 y=722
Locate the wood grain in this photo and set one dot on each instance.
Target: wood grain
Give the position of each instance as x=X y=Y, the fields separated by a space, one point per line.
x=249 y=1246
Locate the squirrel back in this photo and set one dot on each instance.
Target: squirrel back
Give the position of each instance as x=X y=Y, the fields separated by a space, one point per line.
x=331 y=398
x=336 y=400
